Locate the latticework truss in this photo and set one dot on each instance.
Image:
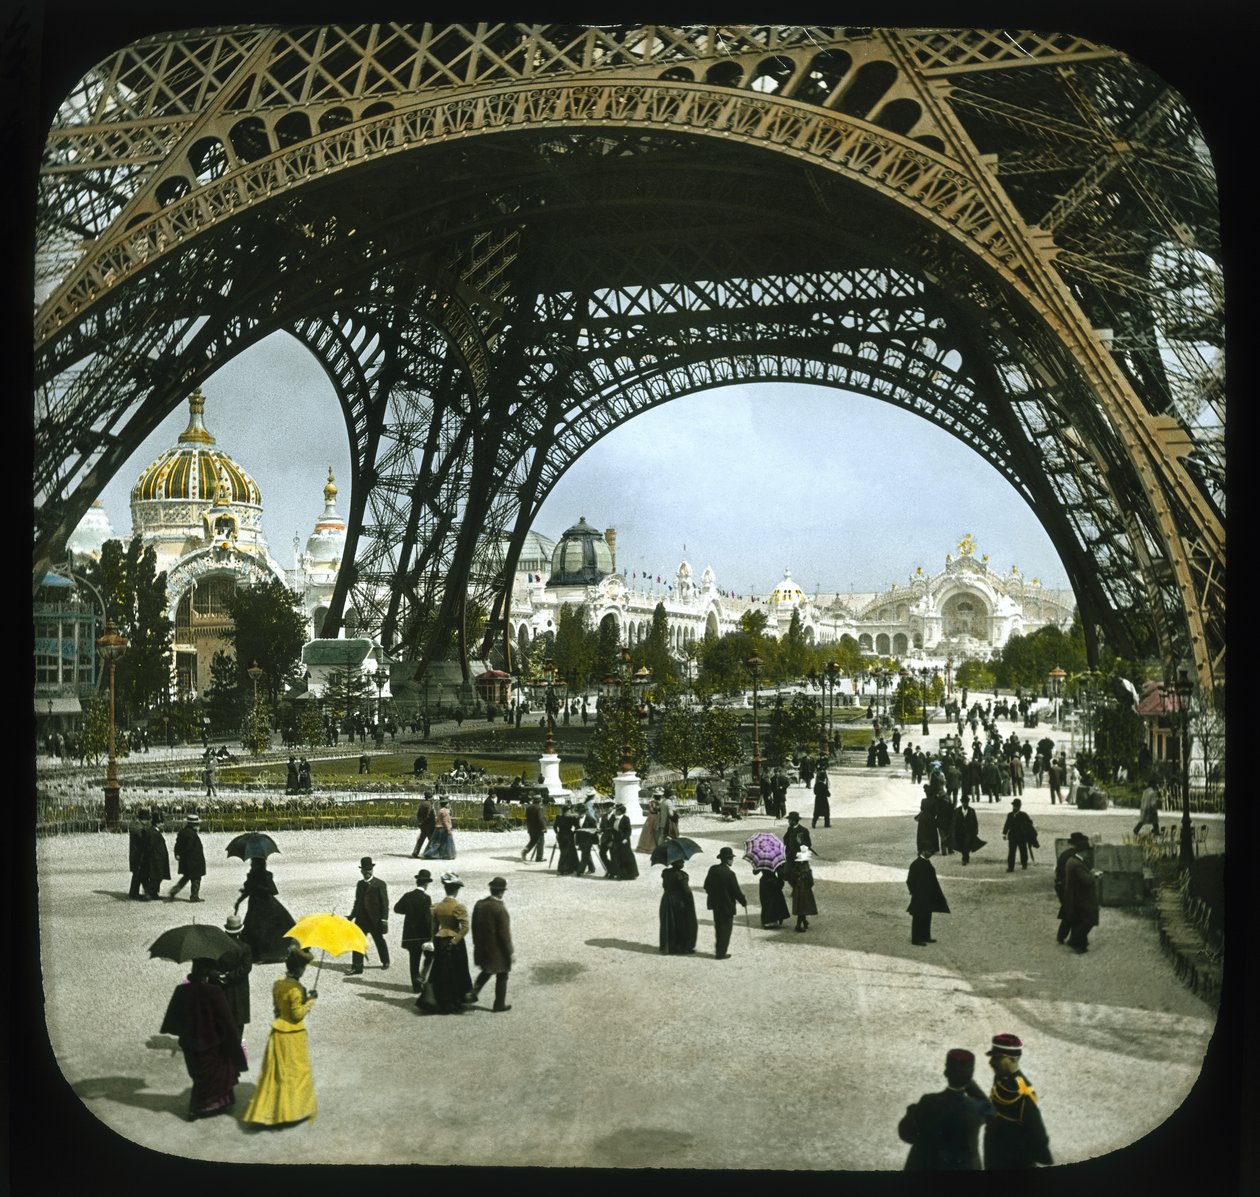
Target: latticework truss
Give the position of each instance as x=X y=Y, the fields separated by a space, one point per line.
x=502 y=241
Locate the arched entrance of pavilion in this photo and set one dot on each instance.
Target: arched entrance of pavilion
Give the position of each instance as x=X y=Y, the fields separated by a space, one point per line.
x=721 y=255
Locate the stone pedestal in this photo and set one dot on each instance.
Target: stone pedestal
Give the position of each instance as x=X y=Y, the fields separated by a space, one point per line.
x=549 y=767
x=626 y=791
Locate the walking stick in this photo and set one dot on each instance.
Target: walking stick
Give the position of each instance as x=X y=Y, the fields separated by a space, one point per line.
x=553 y=853
x=747 y=924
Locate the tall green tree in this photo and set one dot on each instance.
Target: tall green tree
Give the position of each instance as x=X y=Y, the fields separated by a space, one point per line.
x=134 y=592
x=654 y=653
x=678 y=738
x=791 y=656
x=618 y=724
x=269 y=627
x=226 y=698
x=577 y=645
x=348 y=692
x=721 y=744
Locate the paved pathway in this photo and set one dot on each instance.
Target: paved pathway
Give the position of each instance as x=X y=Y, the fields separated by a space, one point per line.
x=615 y=1056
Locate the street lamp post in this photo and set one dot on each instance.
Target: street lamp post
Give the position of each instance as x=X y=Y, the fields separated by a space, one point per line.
x=626 y=686
x=1183 y=687
x=546 y=689
x=924 y=674
x=753 y=665
x=112 y=647
x=949 y=677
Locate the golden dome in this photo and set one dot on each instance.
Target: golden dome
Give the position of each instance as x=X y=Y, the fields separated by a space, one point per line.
x=195 y=469
x=787 y=592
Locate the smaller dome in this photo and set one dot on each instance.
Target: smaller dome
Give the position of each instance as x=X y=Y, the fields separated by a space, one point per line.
x=787 y=593
x=684 y=570
x=581 y=558
x=327 y=543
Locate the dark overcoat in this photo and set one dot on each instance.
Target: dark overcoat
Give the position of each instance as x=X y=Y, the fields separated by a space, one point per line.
x=492 y=936
x=967 y=829
x=371 y=904
x=925 y=890
x=157 y=857
x=1080 y=893
x=416 y=907
x=234 y=969
x=943 y=1130
x=190 y=853
x=722 y=886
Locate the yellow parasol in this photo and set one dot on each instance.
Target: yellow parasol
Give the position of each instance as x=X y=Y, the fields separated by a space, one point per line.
x=331 y=933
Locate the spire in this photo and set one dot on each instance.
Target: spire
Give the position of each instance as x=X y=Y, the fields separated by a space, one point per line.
x=196 y=432
x=330 y=494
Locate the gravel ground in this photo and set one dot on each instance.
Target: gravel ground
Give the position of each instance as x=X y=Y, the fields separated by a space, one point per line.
x=838 y=1029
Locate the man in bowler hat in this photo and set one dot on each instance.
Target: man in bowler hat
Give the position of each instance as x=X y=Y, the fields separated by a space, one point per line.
x=190 y=859
x=371 y=912
x=1015 y=1137
x=943 y=1129
x=416 y=907
x=722 y=886
x=232 y=970
x=492 y=945
x=1077 y=887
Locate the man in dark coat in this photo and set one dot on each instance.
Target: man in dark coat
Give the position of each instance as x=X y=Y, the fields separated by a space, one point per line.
x=536 y=825
x=1018 y=831
x=291 y=776
x=426 y=821
x=806 y=767
x=371 y=912
x=135 y=853
x=587 y=833
x=607 y=840
x=1015 y=1137
x=722 y=886
x=492 y=945
x=822 y=795
x=157 y=858
x=926 y=898
x=779 y=789
x=795 y=836
x=190 y=857
x=943 y=1128
x=234 y=968
x=966 y=829
x=566 y=826
x=1078 y=913
x=416 y=907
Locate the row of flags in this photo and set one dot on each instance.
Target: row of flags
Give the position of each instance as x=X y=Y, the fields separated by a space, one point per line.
x=633 y=575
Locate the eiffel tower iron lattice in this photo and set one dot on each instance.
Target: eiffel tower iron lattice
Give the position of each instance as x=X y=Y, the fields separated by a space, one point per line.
x=503 y=240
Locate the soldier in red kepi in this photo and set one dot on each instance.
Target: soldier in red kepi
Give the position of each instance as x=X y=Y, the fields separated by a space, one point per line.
x=1015 y=1136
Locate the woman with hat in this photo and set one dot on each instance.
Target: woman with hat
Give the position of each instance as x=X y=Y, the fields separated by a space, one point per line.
x=677 y=912
x=286 y=1087
x=774 y=907
x=624 y=866
x=802 y=879
x=449 y=975
x=266 y=919
x=442 y=843
x=647 y=837
x=199 y=1015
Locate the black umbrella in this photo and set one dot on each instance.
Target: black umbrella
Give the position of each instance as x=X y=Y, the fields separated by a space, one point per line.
x=251 y=845
x=193 y=941
x=673 y=849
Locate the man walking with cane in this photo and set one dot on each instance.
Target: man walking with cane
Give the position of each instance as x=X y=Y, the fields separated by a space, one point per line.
x=722 y=886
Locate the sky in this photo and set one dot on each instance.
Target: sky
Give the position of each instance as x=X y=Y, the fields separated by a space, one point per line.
x=847 y=492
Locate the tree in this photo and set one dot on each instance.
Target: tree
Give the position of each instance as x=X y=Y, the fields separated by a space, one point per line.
x=618 y=724
x=678 y=738
x=310 y=726
x=268 y=628
x=721 y=744
x=654 y=652
x=973 y=675
x=225 y=696
x=347 y=693
x=94 y=732
x=576 y=646
x=134 y=593
x=257 y=731
x=791 y=655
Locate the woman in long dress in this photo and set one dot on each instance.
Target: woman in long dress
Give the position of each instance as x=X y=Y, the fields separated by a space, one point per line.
x=449 y=978
x=286 y=1087
x=678 y=912
x=774 y=907
x=647 y=837
x=442 y=843
x=802 y=878
x=199 y=1015
x=625 y=867
x=266 y=919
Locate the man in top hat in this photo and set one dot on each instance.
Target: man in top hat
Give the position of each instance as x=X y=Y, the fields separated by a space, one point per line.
x=190 y=859
x=1077 y=887
x=536 y=825
x=1018 y=831
x=416 y=907
x=1015 y=1137
x=371 y=912
x=232 y=972
x=722 y=886
x=943 y=1129
x=157 y=860
x=492 y=945
x=795 y=836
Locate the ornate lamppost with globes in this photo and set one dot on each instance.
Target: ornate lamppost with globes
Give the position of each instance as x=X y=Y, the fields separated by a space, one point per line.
x=111 y=647
x=545 y=690
x=626 y=687
x=754 y=665
x=924 y=674
x=1056 y=676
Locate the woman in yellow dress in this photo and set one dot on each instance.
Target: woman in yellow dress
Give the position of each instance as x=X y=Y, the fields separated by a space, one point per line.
x=286 y=1088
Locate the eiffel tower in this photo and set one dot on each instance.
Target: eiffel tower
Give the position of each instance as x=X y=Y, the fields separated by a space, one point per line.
x=501 y=241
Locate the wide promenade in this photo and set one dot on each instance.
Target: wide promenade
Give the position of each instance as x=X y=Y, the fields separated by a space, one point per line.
x=800 y=1052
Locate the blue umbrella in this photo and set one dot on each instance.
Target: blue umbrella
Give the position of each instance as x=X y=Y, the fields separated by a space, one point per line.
x=252 y=845
x=673 y=849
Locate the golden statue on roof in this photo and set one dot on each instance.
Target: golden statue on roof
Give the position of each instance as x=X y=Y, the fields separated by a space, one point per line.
x=966 y=546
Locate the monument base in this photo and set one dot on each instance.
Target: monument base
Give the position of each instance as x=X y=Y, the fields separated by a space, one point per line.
x=549 y=767
x=626 y=791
